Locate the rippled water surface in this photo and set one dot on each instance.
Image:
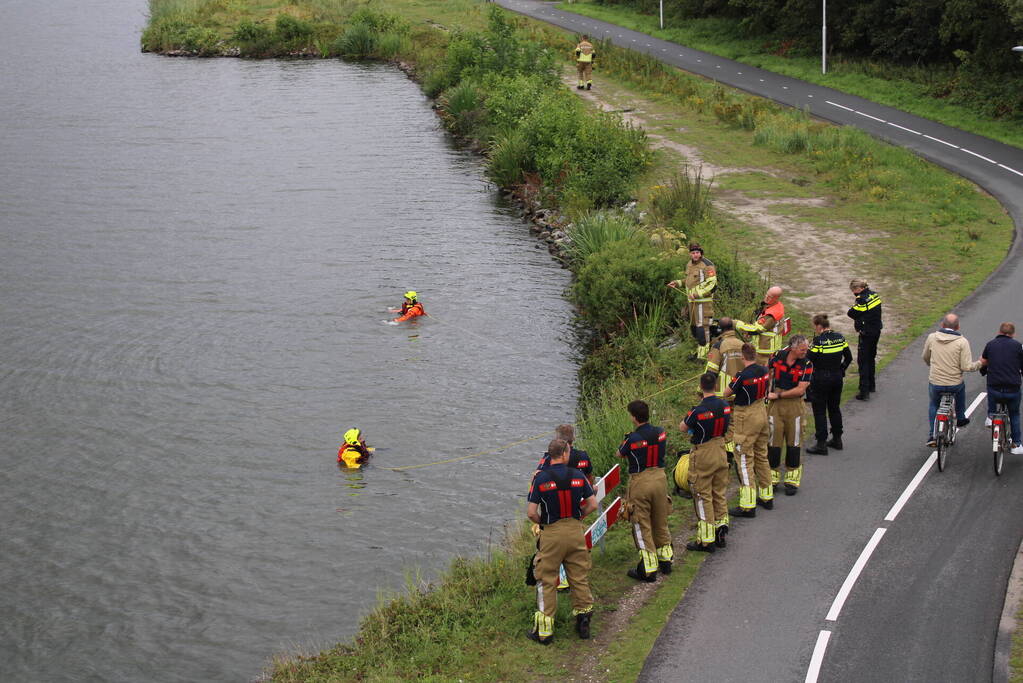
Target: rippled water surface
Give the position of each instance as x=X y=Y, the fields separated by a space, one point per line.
x=196 y=257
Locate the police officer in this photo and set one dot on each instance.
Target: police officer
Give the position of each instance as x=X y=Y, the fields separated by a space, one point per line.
x=791 y=373
x=647 y=494
x=707 y=423
x=750 y=433
x=700 y=283
x=866 y=315
x=559 y=498
x=584 y=56
x=830 y=356
x=766 y=326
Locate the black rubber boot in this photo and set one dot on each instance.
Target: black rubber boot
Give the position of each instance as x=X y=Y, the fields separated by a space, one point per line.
x=535 y=637
x=863 y=396
x=791 y=489
x=766 y=504
x=664 y=566
x=582 y=625
x=696 y=546
x=588 y=85
x=742 y=512
x=639 y=573
x=820 y=448
x=719 y=537
x=835 y=442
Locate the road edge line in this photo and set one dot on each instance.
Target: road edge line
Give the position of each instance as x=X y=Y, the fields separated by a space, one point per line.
x=1007 y=624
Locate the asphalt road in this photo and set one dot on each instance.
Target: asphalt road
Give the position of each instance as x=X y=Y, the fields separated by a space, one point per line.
x=778 y=604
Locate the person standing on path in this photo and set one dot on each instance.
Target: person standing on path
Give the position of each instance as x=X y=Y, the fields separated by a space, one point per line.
x=791 y=373
x=1004 y=370
x=866 y=315
x=830 y=356
x=767 y=326
x=707 y=424
x=584 y=56
x=750 y=432
x=559 y=498
x=700 y=283
x=647 y=494
x=725 y=361
x=947 y=352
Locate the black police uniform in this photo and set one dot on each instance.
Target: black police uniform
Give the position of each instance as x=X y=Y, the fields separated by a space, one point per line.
x=830 y=356
x=866 y=315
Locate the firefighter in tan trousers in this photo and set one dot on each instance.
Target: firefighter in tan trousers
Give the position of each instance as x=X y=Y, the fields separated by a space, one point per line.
x=707 y=423
x=791 y=373
x=647 y=495
x=559 y=497
x=584 y=56
x=749 y=387
x=725 y=360
x=700 y=283
x=765 y=328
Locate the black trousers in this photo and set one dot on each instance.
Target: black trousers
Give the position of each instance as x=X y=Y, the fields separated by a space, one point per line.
x=825 y=397
x=866 y=355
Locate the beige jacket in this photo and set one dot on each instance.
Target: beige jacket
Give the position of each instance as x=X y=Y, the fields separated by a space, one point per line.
x=948 y=354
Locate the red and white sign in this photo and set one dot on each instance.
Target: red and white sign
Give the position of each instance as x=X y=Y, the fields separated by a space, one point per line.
x=599 y=528
x=608 y=482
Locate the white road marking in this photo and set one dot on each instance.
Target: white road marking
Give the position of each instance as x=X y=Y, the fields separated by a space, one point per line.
x=761 y=80
x=785 y=87
x=809 y=95
x=840 y=106
x=979 y=156
x=1011 y=169
x=942 y=142
x=976 y=401
x=871 y=117
x=818 y=656
x=908 y=130
x=924 y=469
x=854 y=573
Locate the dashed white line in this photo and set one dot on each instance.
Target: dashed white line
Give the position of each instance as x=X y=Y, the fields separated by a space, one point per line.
x=854 y=573
x=818 y=656
x=809 y=95
x=979 y=156
x=785 y=87
x=1011 y=169
x=840 y=106
x=761 y=80
x=924 y=469
x=942 y=142
x=871 y=117
x=908 y=130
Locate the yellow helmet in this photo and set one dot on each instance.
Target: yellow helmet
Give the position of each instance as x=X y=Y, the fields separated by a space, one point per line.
x=682 y=472
x=411 y=296
x=352 y=436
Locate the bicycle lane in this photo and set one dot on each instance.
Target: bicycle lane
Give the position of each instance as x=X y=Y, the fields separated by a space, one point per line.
x=758 y=609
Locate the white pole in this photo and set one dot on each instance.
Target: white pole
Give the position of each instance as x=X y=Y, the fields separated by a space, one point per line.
x=1018 y=48
x=662 y=13
x=824 y=36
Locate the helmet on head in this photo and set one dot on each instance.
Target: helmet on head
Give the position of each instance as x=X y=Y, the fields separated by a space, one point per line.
x=411 y=296
x=682 y=472
x=695 y=246
x=352 y=436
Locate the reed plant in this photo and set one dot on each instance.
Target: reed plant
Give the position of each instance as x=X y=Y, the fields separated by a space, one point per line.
x=685 y=195
x=593 y=232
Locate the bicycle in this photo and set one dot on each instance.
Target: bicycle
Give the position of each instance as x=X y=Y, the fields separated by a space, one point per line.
x=945 y=427
x=1000 y=442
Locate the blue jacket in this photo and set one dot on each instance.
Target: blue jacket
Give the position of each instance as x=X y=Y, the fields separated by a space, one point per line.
x=1004 y=363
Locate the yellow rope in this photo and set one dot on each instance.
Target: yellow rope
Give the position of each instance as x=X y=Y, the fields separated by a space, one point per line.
x=517 y=443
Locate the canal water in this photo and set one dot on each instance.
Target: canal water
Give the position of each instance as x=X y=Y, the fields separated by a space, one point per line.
x=196 y=257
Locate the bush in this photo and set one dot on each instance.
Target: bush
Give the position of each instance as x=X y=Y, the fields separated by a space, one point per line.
x=358 y=40
x=510 y=158
x=380 y=22
x=616 y=283
x=165 y=33
x=390 y=45
x=592 y=233
x=292 y=30
x=510 y=98
x=201 y=41
x=461 y=107
x=686 y=192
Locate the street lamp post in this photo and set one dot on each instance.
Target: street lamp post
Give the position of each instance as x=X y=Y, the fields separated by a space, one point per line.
x=824 y=36
x=662 y=14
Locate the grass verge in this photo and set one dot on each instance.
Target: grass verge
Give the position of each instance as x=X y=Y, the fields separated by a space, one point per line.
x=905 y=88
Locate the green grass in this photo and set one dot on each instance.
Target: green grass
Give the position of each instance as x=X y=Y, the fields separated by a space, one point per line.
x=904 y=88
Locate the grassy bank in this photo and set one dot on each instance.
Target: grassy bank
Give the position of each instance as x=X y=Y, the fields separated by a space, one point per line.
x=910 y=89
x=497 y=83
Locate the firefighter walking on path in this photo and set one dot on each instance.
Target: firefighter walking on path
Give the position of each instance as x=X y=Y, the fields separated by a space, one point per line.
x=700 y=283
x=647 y=494
x=766 y=327
x=830 y=356
x=791 y=373
x=584 y=56
x=750 y=433
x=866 y=315
x=559 y=498
x=707 y=423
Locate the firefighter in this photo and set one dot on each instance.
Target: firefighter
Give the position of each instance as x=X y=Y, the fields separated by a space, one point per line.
x=866 y=315
x=751 y=434
x=354 y=453
x=411 y=307
x=584 y=56
x=700 y=283
x=830 y=356
x=647 y=494
x=768 y=317
x=559 y=498
x=707 y=423
x=725 y=361
x=791 y=373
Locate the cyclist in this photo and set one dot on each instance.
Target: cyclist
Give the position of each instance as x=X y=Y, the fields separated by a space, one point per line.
x=1004 y=370
x=947 y=352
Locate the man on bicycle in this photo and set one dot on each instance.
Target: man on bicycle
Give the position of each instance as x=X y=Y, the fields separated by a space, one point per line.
x=947 y=352
x=1004 y=370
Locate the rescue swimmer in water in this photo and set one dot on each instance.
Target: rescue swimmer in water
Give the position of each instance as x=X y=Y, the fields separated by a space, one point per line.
x=411 y=308
x=354 y=452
